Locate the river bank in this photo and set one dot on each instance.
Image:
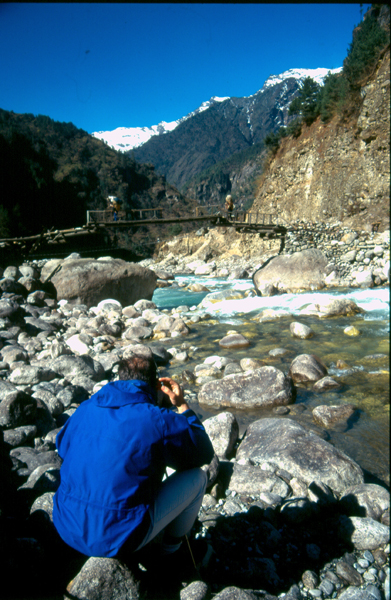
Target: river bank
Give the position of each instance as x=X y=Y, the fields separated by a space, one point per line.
x=355 y=258
x=262 y=519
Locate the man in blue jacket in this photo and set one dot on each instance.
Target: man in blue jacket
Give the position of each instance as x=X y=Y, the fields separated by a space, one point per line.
x=115 y=449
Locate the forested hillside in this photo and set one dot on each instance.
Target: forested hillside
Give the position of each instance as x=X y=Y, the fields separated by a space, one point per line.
x=51 y=173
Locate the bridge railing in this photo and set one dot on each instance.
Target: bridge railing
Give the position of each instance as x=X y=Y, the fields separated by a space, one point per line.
x=250 y=218
x=107 y=216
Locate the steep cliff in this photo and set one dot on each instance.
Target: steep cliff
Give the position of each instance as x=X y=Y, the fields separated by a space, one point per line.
x=339 y=170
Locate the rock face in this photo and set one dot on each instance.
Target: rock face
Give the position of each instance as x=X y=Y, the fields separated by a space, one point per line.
x=266 y=386
x=88 y=281
x=287 y=445
x=293 y=273
x=334 y=169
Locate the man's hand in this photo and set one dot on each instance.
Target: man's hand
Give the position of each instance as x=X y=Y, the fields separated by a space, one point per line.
x=173 y=390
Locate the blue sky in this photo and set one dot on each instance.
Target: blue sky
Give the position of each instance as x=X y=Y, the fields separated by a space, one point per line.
x=102 y=66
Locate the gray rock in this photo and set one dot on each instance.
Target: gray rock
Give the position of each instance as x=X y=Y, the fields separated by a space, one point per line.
x=223 y=431
x=249 y=364
x=232 y=368
x=164 y=324
x=29 y=271
x=44 y=503
x=144 y=304
x=307 y=367
x=349 y=257
x=326 y=383
x=12 y=354
x=300 y=331
x=363 y=532
x=253 y=480
x=365 y=500
x=9 y=308
x=328 y=416
x=13 y=272
x=355 y=593
x=233 y=341
x=346 y=572
x=54 y=405
x=333 y=308
x=17 y=409
x=45 y=478
x=77 y=366
x=310 y=579
x=30 y=375
x=293 y=273
x=10 y=286
x=278 y=352
x=235 y=593
x=285 y=444
x=104 y=579
x=215 y=297
x=197 y=590
x=88 y=281
x=37 y=298
x=267 y=289
x=35 y=325
x=363 y=279
x=266 y=386
x=138 y=332
x=72 y=394
x=20 y=435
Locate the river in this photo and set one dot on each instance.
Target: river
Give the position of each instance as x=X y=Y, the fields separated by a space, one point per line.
x=364 y=378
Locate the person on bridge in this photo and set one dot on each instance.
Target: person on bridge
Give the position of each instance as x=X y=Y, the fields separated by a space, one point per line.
x=112 y=500
x=229 y=206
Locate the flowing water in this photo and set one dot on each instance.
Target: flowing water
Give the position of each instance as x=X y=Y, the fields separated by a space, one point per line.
x=364 y=378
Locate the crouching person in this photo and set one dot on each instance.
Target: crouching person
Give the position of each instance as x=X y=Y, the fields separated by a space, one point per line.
x=112 y=500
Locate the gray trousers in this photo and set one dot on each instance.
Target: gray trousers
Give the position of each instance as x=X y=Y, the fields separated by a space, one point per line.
x=176 y=505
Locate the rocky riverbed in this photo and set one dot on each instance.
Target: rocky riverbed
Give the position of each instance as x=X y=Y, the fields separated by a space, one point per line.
x=351 y=258
x=286 y=514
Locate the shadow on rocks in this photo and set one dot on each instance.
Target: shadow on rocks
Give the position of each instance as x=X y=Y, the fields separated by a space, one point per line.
x=270 y=548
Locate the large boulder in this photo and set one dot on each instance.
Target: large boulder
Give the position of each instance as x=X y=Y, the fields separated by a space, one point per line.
x=293 y=273
x=285 y=444
x=266 y=386
x=88 y=281
x=104 y=579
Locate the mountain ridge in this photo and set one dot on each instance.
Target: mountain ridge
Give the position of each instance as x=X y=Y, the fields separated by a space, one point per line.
x=125 y=139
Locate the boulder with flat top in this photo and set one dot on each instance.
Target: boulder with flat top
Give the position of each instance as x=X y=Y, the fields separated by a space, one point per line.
x=88 y=281
x=293 y=273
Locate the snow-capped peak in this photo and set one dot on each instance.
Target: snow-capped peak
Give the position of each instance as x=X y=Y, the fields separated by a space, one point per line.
x=317 y=75
x=127 y=138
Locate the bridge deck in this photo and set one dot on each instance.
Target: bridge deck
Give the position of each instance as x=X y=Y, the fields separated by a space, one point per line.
x=101 y=221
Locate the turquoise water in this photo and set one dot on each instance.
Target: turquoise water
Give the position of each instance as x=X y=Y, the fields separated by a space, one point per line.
x=365 y=381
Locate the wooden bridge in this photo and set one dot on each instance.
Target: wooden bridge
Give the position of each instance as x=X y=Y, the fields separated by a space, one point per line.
x=100 y=222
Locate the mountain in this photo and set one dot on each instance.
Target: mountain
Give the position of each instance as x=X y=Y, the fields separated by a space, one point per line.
x=216 y=130
x=124 y=139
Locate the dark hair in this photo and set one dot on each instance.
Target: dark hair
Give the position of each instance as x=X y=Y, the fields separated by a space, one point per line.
x=138 y=367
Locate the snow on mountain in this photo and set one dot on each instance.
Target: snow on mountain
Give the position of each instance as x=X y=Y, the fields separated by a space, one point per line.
x=127 y=138
x=317 y=75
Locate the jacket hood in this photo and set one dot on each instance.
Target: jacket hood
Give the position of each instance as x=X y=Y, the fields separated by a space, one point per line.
x=121 y=393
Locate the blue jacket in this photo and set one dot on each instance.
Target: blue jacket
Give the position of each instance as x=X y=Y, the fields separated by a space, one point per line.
x=115 y=448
